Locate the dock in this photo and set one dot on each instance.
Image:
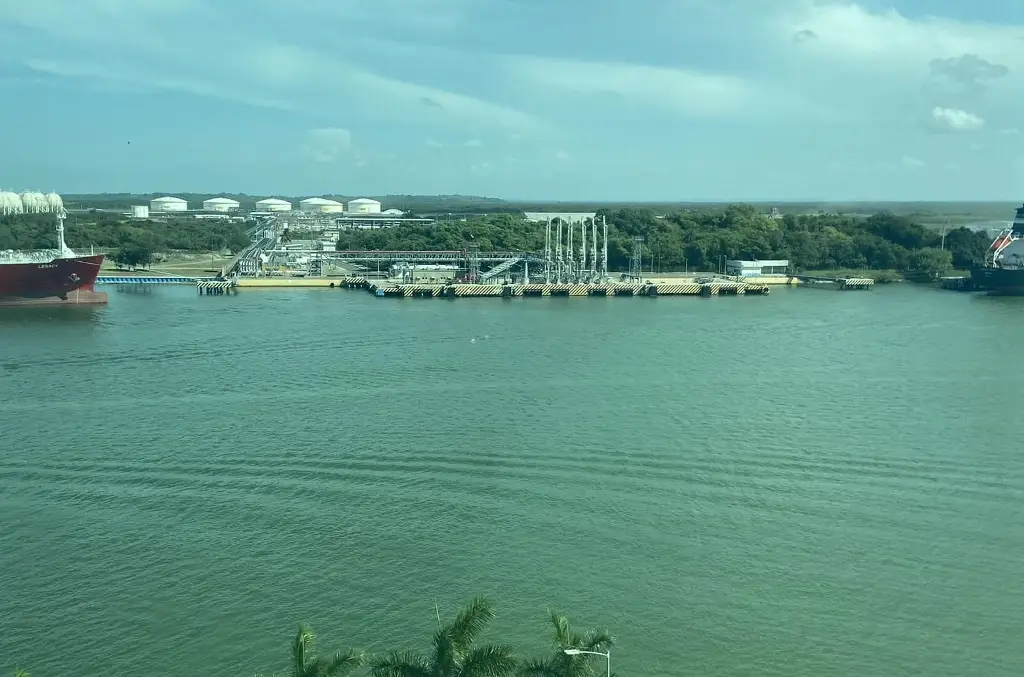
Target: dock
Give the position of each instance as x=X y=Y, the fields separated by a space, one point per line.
x=390 y=289
x=842 y=283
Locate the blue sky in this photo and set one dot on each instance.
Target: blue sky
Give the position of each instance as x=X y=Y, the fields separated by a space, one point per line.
x=521 y=99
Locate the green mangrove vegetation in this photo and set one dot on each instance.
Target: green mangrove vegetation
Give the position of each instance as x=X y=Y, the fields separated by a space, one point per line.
x=704 y=239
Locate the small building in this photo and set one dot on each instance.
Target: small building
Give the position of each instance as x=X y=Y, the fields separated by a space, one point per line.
x=140 y=212
x=393 y=212
x=168 y=204
x=363 y=206
x=319 y=205
x=220 y=204
x=273 y=204
x=756 y=268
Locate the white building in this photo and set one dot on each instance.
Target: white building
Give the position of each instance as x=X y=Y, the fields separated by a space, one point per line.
x=320 y=206
x=273 y=204
x=220 y=204
x=756 y=268
x=140 y=212
x=393 y=212
x=363 y=206
x=168 y=204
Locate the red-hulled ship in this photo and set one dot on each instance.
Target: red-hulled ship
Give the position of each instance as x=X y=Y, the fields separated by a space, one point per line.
x=56 y=277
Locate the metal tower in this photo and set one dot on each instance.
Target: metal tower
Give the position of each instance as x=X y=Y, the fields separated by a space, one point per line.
x=473 y=263
x=604 y=256
x=593 y=251
x=636 y=272
x=547 y=253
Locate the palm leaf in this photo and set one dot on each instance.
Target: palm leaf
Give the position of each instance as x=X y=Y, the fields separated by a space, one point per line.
x=399 y=664
x=470 y=622
x=340 y=664
x=489 y=661
x=446 y=654
x=303 y=651
x=563 y=637
x=597 y=640
x=535 y=667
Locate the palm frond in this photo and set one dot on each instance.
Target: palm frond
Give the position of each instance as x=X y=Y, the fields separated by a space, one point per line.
x=536 y=667
x=340 y=664
x=400 y=664
x=470 y=622
x=493 y=660
x=20 y=673
x=446 y=654
x=597 y=640
x=563 y=637
x=303 y=651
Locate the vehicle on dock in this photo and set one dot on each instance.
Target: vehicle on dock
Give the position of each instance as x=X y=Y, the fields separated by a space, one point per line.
x=1003 y=271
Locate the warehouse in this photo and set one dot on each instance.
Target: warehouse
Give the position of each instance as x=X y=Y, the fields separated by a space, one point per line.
x=756 y=268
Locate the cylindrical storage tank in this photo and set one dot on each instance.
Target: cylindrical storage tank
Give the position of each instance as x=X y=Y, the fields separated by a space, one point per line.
x=220 y=204
x=363 y=206
x=273 y=204
x=331 y=207
x=140 y=212
x=168 y=204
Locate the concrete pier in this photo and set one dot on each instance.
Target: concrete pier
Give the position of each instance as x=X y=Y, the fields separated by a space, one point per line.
x=390 y=289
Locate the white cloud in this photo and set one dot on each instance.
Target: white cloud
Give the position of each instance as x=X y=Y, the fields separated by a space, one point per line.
x=328 y=144
x=682 y=91
x=956 y=119
x=473 y=143
x=1011 y=131
x=911 y=162
x=434 y=144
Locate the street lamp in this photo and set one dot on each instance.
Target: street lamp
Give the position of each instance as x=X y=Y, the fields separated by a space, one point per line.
x=607 y=655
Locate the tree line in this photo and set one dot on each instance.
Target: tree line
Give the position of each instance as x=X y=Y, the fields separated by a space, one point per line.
x=703 y=239
x=109 y=232
x=456 y=650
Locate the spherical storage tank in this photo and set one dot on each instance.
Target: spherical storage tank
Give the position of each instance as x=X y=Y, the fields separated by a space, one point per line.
x=321 y=206
x=10 y=203
x=273 y=204
x=363 y=206
x=168 y=204
x=220 y=204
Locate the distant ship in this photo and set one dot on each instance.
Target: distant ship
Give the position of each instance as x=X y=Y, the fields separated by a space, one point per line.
x=1003 y=271
x=58 y=276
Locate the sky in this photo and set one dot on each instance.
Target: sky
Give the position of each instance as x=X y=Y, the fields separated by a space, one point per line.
x=596 y=100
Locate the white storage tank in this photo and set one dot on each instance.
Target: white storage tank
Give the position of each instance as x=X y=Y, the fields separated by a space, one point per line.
x=363 y=206
x=10 y=203
x=168 y=204
x=220 y=204
x=321 y=206
x=273 y=204
x=140 y=212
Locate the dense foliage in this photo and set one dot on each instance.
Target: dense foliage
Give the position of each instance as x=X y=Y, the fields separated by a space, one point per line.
x=701 y=240
x=108 y=232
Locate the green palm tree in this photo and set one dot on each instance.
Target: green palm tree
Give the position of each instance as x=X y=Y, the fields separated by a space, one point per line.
x=561 y=664
x=453 y=652
x=20 y=673
x=305 y=662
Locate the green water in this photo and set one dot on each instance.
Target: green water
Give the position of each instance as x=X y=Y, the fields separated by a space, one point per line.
x=811 y=483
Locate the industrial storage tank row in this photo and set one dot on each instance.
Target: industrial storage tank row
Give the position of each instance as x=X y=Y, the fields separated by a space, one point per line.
x=223 y=204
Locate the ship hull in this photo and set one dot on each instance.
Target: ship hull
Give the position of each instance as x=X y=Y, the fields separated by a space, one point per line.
x=998 y=281
x=55 y=281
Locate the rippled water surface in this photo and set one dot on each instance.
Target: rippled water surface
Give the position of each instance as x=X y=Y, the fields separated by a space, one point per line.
x=812 y=483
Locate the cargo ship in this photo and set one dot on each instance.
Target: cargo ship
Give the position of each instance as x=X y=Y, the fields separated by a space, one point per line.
x=52 y=277
x=1003 y=271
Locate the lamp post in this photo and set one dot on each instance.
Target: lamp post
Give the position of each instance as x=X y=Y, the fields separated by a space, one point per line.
x=607 y=655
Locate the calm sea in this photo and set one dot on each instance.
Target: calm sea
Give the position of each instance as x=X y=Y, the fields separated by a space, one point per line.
x=806 y=484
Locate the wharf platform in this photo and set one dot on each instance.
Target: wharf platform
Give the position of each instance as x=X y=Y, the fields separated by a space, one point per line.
x=389 y=289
